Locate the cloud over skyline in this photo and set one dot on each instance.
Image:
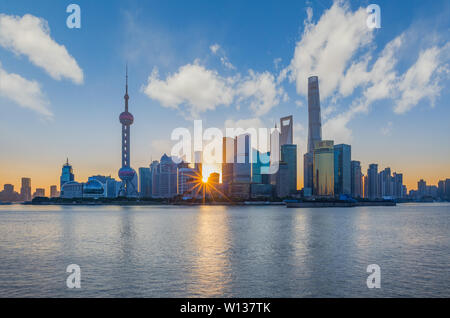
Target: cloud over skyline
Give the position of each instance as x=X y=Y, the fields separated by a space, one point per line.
x=30 y=36
x=24 y=92
x=200 y=89
x=193 y=85
x=341 y=50
x=367 y=78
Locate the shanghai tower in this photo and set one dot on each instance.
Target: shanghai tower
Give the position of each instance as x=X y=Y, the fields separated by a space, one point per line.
x=126 y=173
x=314 y=129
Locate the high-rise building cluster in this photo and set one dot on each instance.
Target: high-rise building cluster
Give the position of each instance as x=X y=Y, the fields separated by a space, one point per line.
x=382 y=184
x=95 y=187
x=25 y=195
x=426 y=192
x=247 y=172
x=329 y=170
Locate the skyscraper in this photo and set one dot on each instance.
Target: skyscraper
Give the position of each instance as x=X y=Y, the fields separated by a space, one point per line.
x=287 y=132
x=422 y=188
x=356 y=180
x=154 y=170
x=274 y=147
x=242 y=170
x=40 y=192
x=314 y=120
x=398 y=185
x=342 y=167
x=164 y=178
x=256 y=167
x=53 y=191
x=227 y=162
x=447 y=188
x=323 y=168
x=372 y=181
x=187 y=180
x=145 y=183
x=260 y=167
x=385 y=183
x=314 y=130
x=289 y=156
x=126 y=173
x=8 y=194
x=25 y=190
x=366 y=187
x=198 y=162
x=66 y=174
x=214 y=178
x=281 y=180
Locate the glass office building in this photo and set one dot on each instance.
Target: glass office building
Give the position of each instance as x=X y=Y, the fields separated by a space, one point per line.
x=323 y=166
x=66 y=174
x=342 y=169
x=289 y=156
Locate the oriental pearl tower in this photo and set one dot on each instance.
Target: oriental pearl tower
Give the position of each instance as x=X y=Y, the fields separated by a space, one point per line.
x=126 y=173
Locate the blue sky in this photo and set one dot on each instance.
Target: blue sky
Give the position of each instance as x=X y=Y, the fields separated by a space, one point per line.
x=253 y=53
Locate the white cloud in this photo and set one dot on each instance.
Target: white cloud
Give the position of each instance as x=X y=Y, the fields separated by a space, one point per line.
x=262 y=91
x=30 y=36
x=227 y=63
x=327 y=47
x=214 y=48
x=309 y=15
x=276 y=62
x=418 y=82
x=23 y=92
x=299 y=103
x=327 y=111
x=382 y=81
x=201 y=89
x=336 y=128
x=217 y=50
x=378 y=82
x=193 y=85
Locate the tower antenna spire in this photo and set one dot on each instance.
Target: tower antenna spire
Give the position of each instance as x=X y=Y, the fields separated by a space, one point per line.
x=126 y=88
x=126 y=79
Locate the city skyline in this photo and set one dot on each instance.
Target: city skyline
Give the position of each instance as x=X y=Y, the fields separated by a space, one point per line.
x=85 y=112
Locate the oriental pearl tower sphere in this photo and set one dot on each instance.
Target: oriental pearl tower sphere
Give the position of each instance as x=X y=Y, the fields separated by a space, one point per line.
x=126 y=173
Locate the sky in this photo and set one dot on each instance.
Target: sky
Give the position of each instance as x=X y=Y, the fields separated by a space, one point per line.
x=229 y=63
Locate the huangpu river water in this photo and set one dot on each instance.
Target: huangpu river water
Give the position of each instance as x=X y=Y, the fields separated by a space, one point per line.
x=217 y=251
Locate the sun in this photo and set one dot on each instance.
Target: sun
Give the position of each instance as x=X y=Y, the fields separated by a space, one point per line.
x=207 y=169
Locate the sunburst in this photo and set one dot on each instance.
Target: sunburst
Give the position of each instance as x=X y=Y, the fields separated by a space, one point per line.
x=201 y=186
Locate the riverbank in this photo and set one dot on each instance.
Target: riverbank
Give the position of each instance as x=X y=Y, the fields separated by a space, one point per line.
x=337 y=204
x=287 y=203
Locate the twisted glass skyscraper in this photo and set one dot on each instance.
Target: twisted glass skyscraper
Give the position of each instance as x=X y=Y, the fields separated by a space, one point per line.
x=314 y=130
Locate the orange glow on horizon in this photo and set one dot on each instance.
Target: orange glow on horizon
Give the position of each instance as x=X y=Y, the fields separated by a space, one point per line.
x=45 y=173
